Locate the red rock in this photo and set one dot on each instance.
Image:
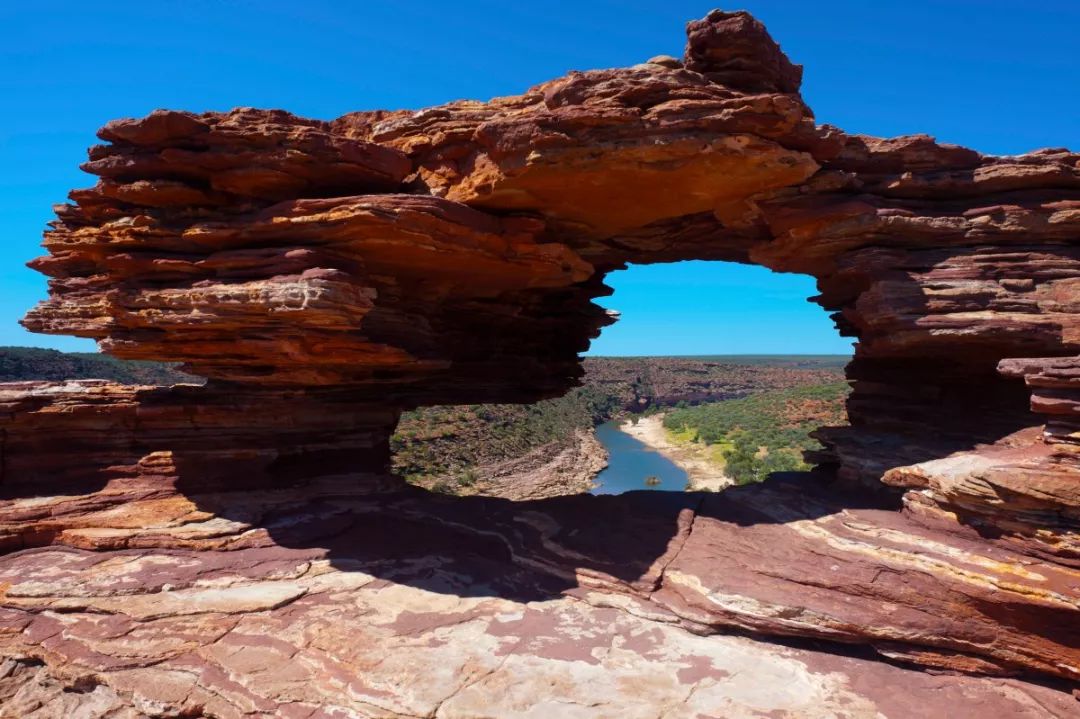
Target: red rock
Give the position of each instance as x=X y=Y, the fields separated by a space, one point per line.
x=331 y=595
x=326 y=275
x=276 y=296
x=735 y=50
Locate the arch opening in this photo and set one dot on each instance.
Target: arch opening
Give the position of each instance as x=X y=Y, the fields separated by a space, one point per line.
x=716 y=375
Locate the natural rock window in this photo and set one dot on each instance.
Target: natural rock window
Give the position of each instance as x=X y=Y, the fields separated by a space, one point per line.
x=327 y=276
x=652 y=420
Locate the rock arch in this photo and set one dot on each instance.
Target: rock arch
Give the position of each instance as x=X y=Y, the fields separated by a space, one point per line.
x=325 y=275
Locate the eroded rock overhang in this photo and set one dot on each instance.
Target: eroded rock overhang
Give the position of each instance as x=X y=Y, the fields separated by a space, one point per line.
x=387 y=260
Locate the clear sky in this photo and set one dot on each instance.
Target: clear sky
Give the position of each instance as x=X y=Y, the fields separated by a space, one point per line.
x=997 y=76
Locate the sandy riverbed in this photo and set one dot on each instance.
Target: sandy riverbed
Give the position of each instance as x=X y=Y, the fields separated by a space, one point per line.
x=693 y=458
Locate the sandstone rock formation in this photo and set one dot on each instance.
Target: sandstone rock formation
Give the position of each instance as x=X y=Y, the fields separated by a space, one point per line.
x=326 y=275
x=324 y=601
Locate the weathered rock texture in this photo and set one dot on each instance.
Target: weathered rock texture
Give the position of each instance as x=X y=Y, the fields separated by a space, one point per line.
x=326 y=275
x=326 y=601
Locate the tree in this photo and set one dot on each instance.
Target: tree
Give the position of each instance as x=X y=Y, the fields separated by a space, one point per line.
x=741 y=461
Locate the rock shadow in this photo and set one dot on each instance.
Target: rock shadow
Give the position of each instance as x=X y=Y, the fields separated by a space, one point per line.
x=526 y=550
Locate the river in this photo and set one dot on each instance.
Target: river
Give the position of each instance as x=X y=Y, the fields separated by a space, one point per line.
x=630 y=462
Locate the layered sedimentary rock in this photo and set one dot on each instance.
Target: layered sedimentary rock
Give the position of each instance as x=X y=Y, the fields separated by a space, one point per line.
x=346 y=290
x=477 y=284
x=80 y=436
x=417 y=605
x=326 y=275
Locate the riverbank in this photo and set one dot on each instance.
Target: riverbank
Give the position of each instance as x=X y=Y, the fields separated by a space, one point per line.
x=540 y=474
x=702 y=472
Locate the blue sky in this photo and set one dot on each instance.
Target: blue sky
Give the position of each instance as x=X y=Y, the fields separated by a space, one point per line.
x=997 y=76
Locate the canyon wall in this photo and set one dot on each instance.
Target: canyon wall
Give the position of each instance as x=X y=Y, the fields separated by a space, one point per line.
x=325 y=276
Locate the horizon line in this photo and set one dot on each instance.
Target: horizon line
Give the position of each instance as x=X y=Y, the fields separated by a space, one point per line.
x=726 y=354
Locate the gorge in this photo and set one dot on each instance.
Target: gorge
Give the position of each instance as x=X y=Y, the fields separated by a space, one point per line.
x=551 y=448
x=241 y=548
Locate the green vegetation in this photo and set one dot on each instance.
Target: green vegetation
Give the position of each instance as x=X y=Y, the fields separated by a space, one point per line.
x=452 y=449
x=765 y=432
x=745 y=463
x=451 y=443
x=18 y=364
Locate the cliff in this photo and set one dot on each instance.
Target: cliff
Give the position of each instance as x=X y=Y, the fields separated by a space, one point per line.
x=325 y=276
x=501 y=449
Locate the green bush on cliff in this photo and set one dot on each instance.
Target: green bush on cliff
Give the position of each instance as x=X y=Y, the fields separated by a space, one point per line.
x=775 y=419
x=450 y=446
x=766 y=432
x=746 y=464
x=450 y=442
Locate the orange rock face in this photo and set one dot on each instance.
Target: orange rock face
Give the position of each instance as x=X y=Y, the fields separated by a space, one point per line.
x=283 y=295
x=326 y=275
